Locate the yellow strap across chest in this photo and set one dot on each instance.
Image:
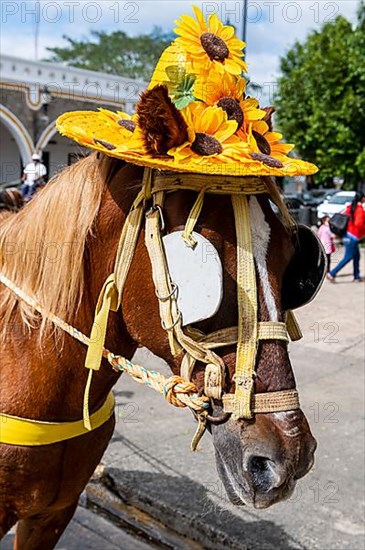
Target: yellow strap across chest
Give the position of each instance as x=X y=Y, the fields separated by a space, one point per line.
x=30 y=433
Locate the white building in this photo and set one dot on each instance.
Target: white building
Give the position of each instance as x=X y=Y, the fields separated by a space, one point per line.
x=34 y=94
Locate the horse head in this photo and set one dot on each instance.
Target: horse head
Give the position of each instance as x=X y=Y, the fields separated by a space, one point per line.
x=258 y=460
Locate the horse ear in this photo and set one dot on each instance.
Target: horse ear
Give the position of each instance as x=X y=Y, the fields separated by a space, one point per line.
x=162 y=123
x=268 y=117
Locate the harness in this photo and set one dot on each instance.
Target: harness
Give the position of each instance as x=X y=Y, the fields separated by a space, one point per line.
x=195 y=346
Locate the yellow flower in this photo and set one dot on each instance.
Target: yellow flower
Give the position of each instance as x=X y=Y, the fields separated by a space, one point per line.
x=136 y=143
x=133 y=139
x=251 y=111
x=211 y=137
x=263 y=141
x=213 y=87
x=210 y=44
x=228 y=92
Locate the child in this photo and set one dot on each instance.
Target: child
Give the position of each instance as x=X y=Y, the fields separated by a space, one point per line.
x=326 y=238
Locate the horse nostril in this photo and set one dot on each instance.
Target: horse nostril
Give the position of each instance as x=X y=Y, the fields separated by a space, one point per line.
x=306 y=459
x=264 y=473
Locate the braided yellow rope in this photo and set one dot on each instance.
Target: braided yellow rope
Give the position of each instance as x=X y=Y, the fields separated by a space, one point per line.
x=176 y=390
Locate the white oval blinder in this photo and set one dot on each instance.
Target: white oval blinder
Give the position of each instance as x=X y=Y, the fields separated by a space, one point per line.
x=198 y=274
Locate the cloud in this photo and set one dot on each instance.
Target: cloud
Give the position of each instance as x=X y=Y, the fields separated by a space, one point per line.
x=273 y=25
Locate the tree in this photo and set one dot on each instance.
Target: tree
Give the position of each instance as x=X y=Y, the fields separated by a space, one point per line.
x=115 y=53
x=321 y=99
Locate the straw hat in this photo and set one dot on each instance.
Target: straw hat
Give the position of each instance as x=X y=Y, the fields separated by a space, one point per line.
x=195 y=115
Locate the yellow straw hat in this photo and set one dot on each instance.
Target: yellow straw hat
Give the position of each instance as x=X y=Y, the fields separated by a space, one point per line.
x=195 y=115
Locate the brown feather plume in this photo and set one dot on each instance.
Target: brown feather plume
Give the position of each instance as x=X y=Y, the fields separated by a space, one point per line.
x=162 y=123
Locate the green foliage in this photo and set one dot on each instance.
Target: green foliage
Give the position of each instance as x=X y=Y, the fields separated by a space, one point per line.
x=321 y=99
x=115 y=53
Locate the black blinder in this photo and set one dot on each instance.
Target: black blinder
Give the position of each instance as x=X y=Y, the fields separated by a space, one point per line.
x=305 y=274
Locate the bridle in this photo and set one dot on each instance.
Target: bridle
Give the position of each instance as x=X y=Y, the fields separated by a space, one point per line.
x=195 y=346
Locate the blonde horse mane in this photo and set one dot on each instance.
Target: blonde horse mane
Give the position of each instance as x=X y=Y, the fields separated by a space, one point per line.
x=42 y=247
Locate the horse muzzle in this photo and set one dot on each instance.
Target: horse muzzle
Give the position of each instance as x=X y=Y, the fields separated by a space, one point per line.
x=259 y=467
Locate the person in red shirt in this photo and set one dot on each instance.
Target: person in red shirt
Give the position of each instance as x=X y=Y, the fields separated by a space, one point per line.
x=355 y=233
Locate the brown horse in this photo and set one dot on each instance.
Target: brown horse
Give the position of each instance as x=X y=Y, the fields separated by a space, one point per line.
x=11 y=199
x=61 y=247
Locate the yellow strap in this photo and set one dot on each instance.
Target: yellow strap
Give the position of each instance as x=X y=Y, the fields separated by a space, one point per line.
x=85 y=405
x=200 y=430
x=218 y=185
x=267 y=330
x=214 y=340
x=213 y=381
x=108 y=300
x=147 y=183
x=277 y=401
x=192 y=219
x=169 y=311
x=272 y=330
x=247 y=310
x=111 y=294
x=25 y=432
x=292 y=324
x=127 y=243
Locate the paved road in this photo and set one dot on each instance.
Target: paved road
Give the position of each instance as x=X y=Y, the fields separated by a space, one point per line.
x=89 y=531
x=149 y=457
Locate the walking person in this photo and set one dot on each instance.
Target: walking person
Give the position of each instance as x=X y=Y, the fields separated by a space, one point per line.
x=355 y=233
x=34 y=174
x=326 y=237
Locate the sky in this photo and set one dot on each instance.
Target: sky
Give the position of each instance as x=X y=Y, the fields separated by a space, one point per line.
x=272 y=27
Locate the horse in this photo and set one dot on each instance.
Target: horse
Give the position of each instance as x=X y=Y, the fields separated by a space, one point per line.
x=61 y=247
x=11 y=199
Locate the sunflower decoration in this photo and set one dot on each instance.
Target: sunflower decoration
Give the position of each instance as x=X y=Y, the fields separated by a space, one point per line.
x=228 y=92
x=195 y=115
x=103 y=130
x=267 y=144
x=210 y=45
x=211 y=137
x=127 y=122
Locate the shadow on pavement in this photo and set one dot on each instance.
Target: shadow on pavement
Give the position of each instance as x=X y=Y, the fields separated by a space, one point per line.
x=194 y=510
